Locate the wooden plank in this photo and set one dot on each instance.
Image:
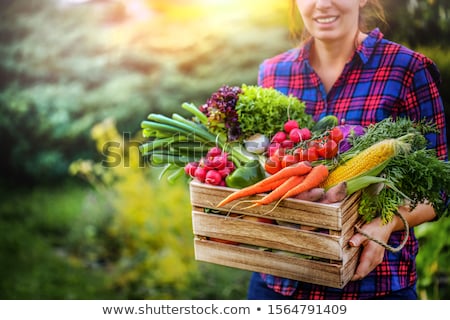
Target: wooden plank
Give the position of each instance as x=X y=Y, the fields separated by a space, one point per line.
x=328 y=216
x=267 y=235
x=268 y=262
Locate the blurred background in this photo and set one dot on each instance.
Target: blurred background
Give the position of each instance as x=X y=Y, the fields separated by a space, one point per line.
x=76 y=75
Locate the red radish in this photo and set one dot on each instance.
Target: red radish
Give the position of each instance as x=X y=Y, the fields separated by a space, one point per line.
x=306 y=134
x=213 y=177
x=230 y=164
x=200 y=174
x=225 y=171
x=190 y=168
x=287 y=144
x=296 y=135
x=279 y=137
x=214 y=152
x=289 y=125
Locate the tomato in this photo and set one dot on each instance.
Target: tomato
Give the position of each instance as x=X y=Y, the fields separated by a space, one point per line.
x=336 y=134
x=273 y=148
x=308 y=154
x=288 y=159
x=328 y=149
x=272 y=165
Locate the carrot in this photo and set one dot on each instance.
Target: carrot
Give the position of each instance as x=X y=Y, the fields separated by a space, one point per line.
x=296 y=169
x=252 y=190
x=276 y=194
x=313 y=179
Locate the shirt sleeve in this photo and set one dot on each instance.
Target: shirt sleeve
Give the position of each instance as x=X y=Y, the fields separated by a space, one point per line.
x=423 y=101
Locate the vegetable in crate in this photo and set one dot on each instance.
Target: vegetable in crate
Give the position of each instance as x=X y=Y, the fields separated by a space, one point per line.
x=246 y=175
x=176 y=141
x=266 y=110
x=393 y=154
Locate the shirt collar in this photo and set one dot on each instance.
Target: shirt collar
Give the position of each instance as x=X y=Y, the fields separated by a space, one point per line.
x=367 y=47
x=364 y=50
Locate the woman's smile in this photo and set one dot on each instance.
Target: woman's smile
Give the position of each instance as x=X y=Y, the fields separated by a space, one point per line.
x=326 y=20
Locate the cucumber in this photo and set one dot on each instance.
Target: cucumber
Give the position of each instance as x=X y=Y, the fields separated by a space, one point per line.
x=325 y=123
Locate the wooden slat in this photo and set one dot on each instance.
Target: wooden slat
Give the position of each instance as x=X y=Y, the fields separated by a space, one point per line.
x=328 y=216
x=267 y=235
x=277 y=264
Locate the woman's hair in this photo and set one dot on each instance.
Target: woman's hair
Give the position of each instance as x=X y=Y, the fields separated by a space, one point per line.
x=370 y=16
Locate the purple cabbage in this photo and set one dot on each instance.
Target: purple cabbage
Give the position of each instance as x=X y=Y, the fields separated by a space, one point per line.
x=349 y=131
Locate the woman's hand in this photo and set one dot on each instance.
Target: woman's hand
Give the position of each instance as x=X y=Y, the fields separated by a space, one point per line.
x=372 y=253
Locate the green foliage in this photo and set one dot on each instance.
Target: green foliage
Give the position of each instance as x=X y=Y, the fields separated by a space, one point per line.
x=433 y=260
x=65 y=68
x=264 y=111
x=35 y=255
x=421 y=22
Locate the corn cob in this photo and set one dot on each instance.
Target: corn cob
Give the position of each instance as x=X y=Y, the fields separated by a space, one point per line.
x=366 y=161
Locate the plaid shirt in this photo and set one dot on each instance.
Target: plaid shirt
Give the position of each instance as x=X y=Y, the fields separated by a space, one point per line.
x=382 y=79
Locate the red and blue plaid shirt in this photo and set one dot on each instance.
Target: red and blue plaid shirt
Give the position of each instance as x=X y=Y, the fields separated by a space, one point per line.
x=382 y=79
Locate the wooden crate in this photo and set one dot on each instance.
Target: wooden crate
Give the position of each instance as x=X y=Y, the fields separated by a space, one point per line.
x=311 y=245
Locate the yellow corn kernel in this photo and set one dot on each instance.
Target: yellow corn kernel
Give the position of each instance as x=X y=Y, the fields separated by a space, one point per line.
x=363 y=161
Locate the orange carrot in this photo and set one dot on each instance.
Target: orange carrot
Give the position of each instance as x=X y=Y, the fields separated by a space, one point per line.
x=252 y=190
x=297 y=169
x=313 y=179
x=276 y=194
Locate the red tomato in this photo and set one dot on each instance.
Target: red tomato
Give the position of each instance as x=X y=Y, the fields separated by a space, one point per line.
x=288 y=159
x=336 y=134
x=272 y=165
x=273 y=148
x=328 y=149
x=308 y=154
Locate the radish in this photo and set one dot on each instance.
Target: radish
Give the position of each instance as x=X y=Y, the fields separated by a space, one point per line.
x=279 y=137
x=296 y=135
x=289 y=125
x=213 y=177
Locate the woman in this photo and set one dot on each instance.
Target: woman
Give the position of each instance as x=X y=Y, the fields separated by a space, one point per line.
x=346 y=70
